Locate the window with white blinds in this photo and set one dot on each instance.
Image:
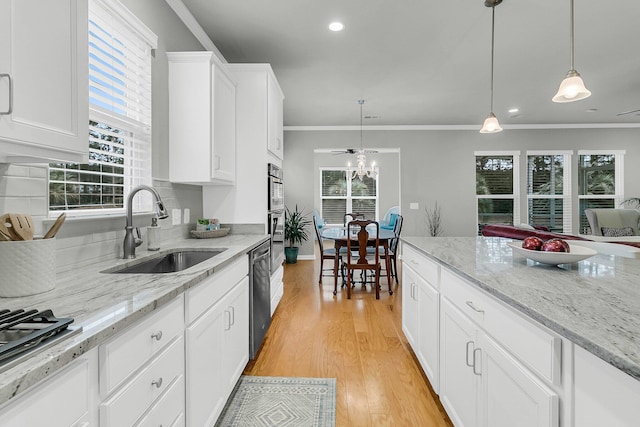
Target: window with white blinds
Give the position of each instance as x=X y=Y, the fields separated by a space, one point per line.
x=339 y=195
x=600 y=182
x=119 y=139
x=497 y=194
x=549 y=190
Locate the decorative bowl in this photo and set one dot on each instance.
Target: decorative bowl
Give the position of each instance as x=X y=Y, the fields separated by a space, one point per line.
x=578 y=253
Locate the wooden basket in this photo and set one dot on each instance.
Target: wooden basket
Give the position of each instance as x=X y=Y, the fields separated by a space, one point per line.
x=210 y=234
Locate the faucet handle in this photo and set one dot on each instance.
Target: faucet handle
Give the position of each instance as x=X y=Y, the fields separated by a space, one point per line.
x=138 y=239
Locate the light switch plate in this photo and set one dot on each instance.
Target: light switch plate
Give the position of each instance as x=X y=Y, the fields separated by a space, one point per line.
x=186 y=216
x=176 y=217
x=414 y=206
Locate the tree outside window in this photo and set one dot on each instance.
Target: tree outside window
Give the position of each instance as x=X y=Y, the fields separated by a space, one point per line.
x=548 y=191
x=599 y=182
x=496 y=189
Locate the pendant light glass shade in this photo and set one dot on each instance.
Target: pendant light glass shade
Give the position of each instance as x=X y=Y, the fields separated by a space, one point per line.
x=491 y=124
x=572 y=87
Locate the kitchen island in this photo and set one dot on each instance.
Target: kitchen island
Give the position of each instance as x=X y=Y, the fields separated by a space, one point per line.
x=584 y=320
x=104 y=305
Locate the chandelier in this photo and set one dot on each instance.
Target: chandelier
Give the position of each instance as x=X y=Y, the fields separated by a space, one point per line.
x=361 y=158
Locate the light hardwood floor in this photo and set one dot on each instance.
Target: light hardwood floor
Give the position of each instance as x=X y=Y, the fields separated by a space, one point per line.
x=359 y=342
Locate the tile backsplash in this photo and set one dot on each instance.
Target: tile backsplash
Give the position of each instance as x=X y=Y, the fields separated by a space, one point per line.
x=81 y=241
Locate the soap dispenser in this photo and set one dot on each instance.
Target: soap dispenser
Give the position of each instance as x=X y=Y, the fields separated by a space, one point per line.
x=153 y=235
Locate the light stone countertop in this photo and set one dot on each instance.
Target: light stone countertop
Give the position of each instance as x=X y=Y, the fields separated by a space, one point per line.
x=594 y=303
x=105 y=304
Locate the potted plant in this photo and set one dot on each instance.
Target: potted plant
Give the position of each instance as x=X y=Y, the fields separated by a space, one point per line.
x=295 y=224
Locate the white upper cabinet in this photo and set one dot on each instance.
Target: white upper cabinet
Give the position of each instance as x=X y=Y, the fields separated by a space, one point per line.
x=261 y=106
x=43 y=81
x=202 y=120
x=275 y=118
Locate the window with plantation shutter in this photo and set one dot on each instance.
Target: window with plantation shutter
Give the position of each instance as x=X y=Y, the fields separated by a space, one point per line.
x=119 y=139
x=340 y=194
x=497 y=193
x=549 y=190
x=600 y=183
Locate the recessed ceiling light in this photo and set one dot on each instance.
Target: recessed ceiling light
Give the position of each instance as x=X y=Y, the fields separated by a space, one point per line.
x=513 y=110
x=336 y=26
x=592 y=110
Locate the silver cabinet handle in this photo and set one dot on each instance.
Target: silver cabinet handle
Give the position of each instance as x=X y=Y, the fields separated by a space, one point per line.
x=413 y=261
x=473 y=307
x=233 y=315
x=228 y=322
x=469 y=364
x=157 y=335
x=475 y=360
x=10 y=110
x=157 y=383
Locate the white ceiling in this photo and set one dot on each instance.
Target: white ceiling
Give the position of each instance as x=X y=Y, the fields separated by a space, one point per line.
x=427 y=62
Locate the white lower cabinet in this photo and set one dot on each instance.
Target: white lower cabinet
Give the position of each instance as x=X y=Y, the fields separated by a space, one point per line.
x=277 y=288
x=217 y=343
x=420 y=322
x=65 y=400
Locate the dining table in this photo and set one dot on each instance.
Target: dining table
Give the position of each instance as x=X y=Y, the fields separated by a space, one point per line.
x=339 y=237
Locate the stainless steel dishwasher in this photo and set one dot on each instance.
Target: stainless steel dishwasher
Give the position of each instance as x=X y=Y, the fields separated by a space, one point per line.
x=259 y=296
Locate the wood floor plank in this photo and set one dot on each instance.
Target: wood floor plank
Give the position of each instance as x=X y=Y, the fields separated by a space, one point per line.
x=359 y=342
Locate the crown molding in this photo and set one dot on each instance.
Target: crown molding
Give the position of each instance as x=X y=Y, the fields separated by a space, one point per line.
x=198 y=32
x=464 y=127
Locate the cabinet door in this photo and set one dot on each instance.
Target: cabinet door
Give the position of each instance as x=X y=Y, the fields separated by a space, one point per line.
x=43 y=108
x=236 y=334
x=275 y=117
x=410 y=306
x=511 y=395
x=429 y=336
x=224 y=127
x=205 y=395
x=459 y=385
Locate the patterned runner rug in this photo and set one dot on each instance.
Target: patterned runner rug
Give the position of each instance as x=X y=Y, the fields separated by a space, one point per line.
x=281 y=401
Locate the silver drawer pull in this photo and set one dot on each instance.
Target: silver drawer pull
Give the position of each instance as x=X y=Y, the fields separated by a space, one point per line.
x=157 y=335
x=157 y=383
x=473 y=307
x=469 y=364
x=10 y=109
x=475 y=360
x=413 y=261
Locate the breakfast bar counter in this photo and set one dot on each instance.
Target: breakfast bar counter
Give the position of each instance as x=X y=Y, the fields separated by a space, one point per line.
x=594 y=303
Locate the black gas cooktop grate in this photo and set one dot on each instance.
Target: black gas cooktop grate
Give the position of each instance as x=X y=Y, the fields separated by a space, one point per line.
x=23 y=330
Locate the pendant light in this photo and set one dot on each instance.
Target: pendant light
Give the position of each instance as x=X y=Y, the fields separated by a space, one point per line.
x=491 y=124
x=361 y=157
x=572 y=87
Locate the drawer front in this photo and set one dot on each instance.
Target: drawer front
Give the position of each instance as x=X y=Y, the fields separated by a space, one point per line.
x=530 y=342
x=428 y=269
x=169 y=409
x=61 y=401
x=126 y=406
x=129 y=351
x=205 y=294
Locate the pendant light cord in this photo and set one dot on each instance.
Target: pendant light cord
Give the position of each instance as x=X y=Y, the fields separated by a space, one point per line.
x=493 y=24
x=361 y=101
x=571 y=39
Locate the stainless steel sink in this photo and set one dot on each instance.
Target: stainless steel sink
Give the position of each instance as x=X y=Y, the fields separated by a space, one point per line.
x=170 y=262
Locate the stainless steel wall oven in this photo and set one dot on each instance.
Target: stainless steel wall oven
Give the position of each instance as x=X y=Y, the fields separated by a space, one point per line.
x=275 y=216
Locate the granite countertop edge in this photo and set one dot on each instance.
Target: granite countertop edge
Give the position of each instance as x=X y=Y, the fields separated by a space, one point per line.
x=111 y=303
x=617 y=360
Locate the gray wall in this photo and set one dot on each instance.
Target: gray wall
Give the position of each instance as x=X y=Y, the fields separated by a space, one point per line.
x=439 y=166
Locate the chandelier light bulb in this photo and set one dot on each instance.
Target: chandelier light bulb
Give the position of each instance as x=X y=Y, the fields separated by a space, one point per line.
x=571 y=88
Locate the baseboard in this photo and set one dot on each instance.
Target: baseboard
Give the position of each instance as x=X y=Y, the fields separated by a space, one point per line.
x=307 y=257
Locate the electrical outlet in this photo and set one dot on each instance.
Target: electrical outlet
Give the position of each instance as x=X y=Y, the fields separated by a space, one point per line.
x=186 y=216
x=414 y=206
x=176 y=217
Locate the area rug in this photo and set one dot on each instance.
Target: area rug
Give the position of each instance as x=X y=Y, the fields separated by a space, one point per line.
x=281 y=402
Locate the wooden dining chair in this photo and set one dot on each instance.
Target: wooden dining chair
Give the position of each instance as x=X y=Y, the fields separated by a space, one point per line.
x=326 y=253
x=352 y=217
x=393 y=248
x=357 y=256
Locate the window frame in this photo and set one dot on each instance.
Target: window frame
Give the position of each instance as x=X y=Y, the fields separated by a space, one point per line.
x=566 y=197
x=136 y=123
x=349 y=196
x=515 y=196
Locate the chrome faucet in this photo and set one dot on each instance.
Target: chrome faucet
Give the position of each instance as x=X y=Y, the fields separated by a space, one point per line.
x=131 y=243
